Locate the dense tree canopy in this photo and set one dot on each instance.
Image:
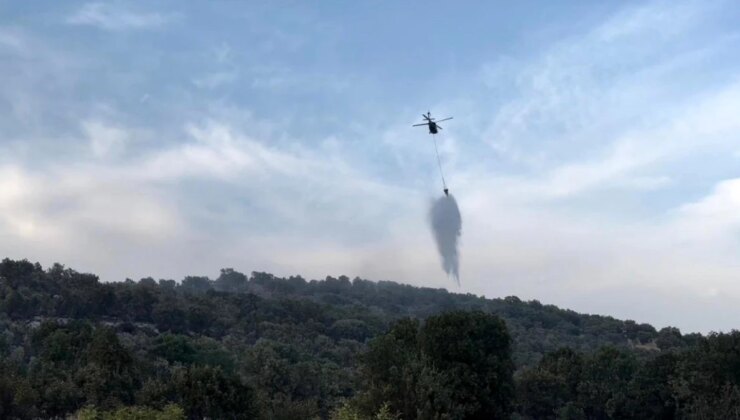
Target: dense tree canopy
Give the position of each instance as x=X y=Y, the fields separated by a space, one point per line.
x=456 y=365
x=260 y=346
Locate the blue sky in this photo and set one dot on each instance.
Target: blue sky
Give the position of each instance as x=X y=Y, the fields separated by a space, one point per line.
x=594 y=151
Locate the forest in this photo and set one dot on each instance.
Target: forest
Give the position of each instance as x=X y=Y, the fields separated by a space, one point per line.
x=263 y=347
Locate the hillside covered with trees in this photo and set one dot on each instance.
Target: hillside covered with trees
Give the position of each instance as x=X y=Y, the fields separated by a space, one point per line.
x=260 y=346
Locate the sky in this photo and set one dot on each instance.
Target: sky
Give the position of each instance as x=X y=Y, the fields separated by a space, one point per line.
x=594 y=151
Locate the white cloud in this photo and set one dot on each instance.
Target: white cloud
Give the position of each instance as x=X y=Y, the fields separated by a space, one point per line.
x=599 y=264
x=214 y=150
x=16 y=216
x=657 y=19
x=78 y=212
x=714 y=220
x=71 y=202
x=105 y=140
x=607 y=108
x=581 y=93
x=11 y=39
x=215 y=79
x=722 y=206
x=33 y=72
x=109 y=16
x=277 y=78
x=710 y=122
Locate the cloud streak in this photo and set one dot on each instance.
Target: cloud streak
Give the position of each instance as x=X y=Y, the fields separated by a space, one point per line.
x=111 y=17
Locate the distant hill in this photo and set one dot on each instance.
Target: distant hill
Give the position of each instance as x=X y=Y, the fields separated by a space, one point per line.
x=299 y=339
x=27 y=291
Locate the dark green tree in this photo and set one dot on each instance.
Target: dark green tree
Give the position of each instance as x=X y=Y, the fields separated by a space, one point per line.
x=457 y=365
x=545 y=390
x=230 y=281
x=196 y=284
x=109 y=378
x=707 y=378
x=208 y=392
x=472 y=353
x=605 y=383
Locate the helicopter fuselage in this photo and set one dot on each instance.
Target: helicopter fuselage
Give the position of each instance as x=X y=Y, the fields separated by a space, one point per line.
x=432 y=127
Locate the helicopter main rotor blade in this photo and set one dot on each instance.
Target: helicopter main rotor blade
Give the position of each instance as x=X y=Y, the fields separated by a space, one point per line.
x=418 y=125
x=439 y=126
x=445 y=119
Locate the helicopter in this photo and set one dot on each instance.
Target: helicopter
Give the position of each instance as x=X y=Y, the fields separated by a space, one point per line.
x=433 y=129
x=431 y=123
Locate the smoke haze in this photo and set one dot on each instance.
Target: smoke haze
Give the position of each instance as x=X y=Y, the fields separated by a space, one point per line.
x=446 y=223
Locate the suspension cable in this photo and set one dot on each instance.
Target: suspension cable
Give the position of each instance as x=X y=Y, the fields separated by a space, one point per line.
x=439 y=162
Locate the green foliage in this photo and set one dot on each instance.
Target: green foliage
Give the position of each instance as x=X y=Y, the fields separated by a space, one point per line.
x=707 y=379
x=284 y=348
x=456 y=365
x=230 y=281
x=170 y=412
x=351 y=329
x=348 y=412
x=175 y=349
x=472 y=353
x=385 y=413
x=209 y=392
